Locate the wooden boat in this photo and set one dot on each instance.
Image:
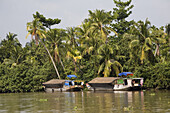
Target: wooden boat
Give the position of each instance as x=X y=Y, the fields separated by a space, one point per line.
x=115 y=83
x=108 y=84
x=56 y=85
x=135 y=83
x=128 y=84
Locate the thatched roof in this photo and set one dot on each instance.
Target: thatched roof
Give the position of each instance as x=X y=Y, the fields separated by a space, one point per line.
x=54 y=81
x=103 y=80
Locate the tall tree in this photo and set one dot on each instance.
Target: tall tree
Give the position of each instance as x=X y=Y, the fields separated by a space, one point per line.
x=71 y=37
x=142 y=30
x=46 y=22
x=108 y=60
x=158 y=38
x=12 y=49
x=72 y=47
x=36 y=29
x=55 y=38
x=99 y=21
x=168 y=32
x=120 y=13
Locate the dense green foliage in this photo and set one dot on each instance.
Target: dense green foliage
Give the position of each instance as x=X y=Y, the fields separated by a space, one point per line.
x=104 y=45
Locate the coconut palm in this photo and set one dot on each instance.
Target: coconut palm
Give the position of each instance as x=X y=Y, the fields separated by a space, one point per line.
x=107 y=56
x=75 y=55
x=82 y=32
x=72 y=47
x=71 y=37
x=12 y=48
x=36 y=29
x=99 y=21
x=145 y=44
x=168 y=32
x=55 y=39
x=165 y=48
x=158 y=38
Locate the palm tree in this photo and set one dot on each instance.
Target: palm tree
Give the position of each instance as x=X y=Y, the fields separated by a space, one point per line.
x=145 y=44
x=108 y=60
x=13 y=49
x=99 y=21
x=55 y=39
x=72 y=47
x=158 y=37
x=75 y=55
x=34 y=54
x=71 y=37
x=36 y=29
x=82 y=34
x=168 y=33
x=88 y=44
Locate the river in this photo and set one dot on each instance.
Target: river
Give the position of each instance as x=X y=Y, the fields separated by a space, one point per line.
x=87 y=102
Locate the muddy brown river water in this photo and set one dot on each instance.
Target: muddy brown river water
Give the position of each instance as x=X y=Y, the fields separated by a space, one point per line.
x=87 y=102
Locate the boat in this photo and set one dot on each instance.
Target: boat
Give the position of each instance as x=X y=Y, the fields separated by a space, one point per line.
x=102 y=84
x=57 y=85
x=121 y=83
x=73 y=85
x=134 y=83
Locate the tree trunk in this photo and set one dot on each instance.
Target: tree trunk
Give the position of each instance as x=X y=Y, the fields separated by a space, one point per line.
x=75 y=70
x=51 y=59
x=157 y=50
x=62 y=64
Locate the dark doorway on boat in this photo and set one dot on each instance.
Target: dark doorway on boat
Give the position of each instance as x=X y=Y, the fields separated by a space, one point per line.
x=70 y=83
x=125 y=82
x=52 y=90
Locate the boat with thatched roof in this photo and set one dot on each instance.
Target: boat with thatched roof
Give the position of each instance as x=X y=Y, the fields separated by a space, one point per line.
x=63 y=85
x=115 y=83
x=54 y=85
x=106 y=84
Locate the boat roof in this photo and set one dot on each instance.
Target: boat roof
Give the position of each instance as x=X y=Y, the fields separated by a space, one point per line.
x=125 y=73
x=54 y=81
x=132 y=78
x=104 y=79
x=137 y=78
x=78 y=80
x=71 y=76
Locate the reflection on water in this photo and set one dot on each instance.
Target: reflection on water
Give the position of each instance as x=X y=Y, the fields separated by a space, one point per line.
x=87 y=102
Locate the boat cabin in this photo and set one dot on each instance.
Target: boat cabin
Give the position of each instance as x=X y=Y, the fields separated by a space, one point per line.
x=53 y=85
x=102 y=83
x=116 y=83
x=63 y=85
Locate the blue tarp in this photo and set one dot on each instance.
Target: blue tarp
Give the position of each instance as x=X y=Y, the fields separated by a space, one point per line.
x=70 y=76
x=67 y=82
x=125 y=73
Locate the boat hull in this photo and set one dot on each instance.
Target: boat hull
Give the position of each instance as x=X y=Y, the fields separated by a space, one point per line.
x=122 y=89
x=75 y=88
x=65 y=88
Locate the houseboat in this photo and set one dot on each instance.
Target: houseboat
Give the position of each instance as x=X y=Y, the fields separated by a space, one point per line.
x=115 y=83
x=56 y=85
x=135 y=83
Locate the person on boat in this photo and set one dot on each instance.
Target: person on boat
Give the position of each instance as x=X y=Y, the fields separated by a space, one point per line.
x=133 y=82
x=72 y=83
